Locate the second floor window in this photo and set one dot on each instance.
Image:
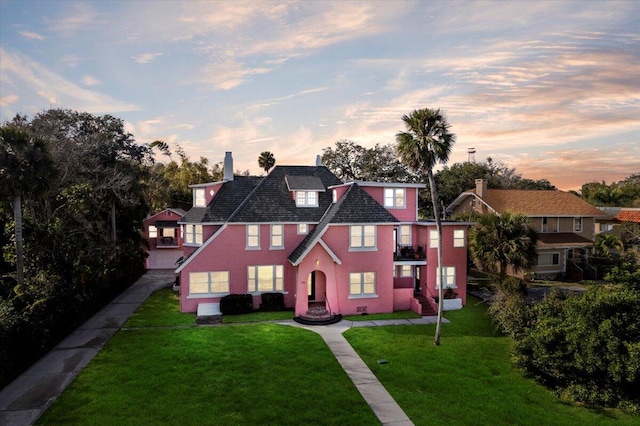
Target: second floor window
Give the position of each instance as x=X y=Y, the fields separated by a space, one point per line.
x=277 y=236
x=404 y=233
x=362 y=236
x=303 y=228
x=253 y=236
x=549 y=224
x=458 y=238
x=153 y=231
x=577 y=224
x=433 y=238
x=394 y=197
x=193 y=234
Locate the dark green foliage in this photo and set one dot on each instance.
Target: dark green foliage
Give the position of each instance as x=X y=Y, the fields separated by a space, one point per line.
x=586 y=347
x=510 y=313
x=272 y=302
x=234 y=304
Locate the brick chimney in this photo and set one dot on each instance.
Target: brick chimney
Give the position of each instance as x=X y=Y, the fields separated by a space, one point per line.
x=481 y=187
x=228 y=166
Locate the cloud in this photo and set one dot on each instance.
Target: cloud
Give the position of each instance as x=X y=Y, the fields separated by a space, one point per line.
x=88 y=80
x=8 y=100
x=31 y=35
x=77 y=17
x=30 y=78
x=145 y=58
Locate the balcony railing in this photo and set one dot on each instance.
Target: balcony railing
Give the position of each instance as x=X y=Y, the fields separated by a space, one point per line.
x=166 y=242
x=410 y=253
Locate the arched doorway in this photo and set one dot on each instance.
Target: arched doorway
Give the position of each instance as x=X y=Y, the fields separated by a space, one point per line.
x=317 y=286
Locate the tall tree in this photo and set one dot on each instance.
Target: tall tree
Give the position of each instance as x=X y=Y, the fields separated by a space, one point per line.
x=25 y=168
x=427 y=141
x=607 y=242
x=266 y=160
x=500 y=241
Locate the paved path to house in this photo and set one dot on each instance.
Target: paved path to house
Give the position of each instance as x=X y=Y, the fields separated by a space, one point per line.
x=381 y=402
x=24 y=400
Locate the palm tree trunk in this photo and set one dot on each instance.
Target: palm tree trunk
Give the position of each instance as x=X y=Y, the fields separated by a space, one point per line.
x=17 y=215
x=436 y=213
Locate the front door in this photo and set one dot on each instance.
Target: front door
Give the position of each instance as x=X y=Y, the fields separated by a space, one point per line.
x=311 y=284
x=417 y=279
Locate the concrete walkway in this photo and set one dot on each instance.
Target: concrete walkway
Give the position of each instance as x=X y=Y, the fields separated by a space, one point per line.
x=24 y=400
x=381 y=402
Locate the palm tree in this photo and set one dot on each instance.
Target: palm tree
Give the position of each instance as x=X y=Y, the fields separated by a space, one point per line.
x=425 y=142
x=500 y=241
x=607 y=242
x=266 y=160
x=25 y=167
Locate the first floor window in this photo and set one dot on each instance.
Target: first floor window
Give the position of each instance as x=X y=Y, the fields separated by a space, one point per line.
x=362 y=283
x=448 y=277
x=362 y=236
x=214 y=282
x=193 y=234
x=548 y=259
x=406 y=271
x=265 y=278
x=153 y=231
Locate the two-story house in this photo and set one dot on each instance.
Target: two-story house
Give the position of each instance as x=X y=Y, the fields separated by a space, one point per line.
x=164 y=238
x=564 y=222
x=352 y=247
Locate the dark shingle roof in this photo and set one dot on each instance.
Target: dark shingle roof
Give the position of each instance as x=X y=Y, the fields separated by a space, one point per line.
x=272 y=201
x=229 y=197
x=304 y=183
x=355 y=206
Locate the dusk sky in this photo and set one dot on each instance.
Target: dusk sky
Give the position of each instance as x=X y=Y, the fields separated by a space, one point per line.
x=550 y=88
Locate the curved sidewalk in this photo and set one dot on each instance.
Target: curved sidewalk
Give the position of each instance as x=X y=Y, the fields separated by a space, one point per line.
x=24 y=400
x=379 y=399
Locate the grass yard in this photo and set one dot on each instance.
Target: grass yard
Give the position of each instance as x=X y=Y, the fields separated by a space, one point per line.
x=162 y=370
x=468 y=379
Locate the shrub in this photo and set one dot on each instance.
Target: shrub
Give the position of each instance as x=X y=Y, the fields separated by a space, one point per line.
x=586 y=347
x=272 y=302
x=234 y=304
x=516 y=286
x=510 y=313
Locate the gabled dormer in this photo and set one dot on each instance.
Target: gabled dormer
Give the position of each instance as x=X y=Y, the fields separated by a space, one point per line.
x=305 y=190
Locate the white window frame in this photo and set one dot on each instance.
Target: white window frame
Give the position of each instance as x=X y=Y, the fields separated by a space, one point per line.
x=253 y=236
x=359 y=279
x=307 y=198
x=578 y=224
x=199 y=197
x=253 y=279
x=360 y=239
x=391 y=196
x=459 y=237
x=449 y=275
x=406 y=271
x=433 y=238
x=213 y=278
x=193 y=234
x=334 y=196
x=545 y=226
x=153 y=231
x=303 y=228
x=277 y=237
x=404 y=235
x=551 y=256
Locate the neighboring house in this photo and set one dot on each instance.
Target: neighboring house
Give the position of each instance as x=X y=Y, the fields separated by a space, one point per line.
x=164 y=238
x=621 y=221
x=351 y=248
x=564 y=222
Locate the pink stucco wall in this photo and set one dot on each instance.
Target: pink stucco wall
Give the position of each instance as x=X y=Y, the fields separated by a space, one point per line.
x=407 y=214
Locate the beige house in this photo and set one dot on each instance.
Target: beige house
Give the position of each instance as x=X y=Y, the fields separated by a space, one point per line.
x=564 y=222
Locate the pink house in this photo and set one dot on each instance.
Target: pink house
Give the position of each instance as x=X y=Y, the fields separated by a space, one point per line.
x=344 y=247
x=164 y=238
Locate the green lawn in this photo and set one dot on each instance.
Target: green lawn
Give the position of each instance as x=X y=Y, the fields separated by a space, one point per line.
x=467 y=379
x=162 y=370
